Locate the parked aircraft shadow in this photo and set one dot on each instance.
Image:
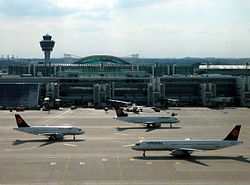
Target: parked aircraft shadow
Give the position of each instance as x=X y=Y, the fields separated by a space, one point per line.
x=196 y=159
x=144 y=128
x=44 y=141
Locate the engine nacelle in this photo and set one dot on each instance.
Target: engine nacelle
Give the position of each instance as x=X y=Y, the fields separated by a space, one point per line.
x=59 y=136
x=157 y=125
x=180 y=153
x=56 y=137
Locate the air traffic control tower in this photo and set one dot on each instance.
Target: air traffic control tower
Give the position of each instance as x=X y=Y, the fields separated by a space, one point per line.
x=47 y=46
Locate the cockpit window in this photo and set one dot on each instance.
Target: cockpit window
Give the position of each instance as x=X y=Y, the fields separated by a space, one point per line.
x=137 y=144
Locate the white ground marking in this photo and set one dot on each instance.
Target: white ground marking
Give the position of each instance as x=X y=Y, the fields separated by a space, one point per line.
x=82 y=163
x=68 y=144
x=52 y=163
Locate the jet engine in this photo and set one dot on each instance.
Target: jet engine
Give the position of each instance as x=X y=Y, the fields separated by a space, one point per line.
x=157 y=125
x=59 y=136
x=180 y=153
x=56 y=137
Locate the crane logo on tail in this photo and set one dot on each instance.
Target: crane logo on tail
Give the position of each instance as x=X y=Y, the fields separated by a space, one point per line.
x=19 y=121
x=235 y=133
x=119 y=111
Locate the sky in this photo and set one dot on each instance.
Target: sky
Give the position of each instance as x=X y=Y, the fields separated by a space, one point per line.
x=151 y=28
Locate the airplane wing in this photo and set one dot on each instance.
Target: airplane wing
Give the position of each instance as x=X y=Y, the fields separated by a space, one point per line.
x=183 y=151
x=151 y=122
x=189 y=149
x=53 y=135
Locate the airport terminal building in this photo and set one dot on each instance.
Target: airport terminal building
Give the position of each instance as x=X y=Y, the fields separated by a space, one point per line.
x=93 y=80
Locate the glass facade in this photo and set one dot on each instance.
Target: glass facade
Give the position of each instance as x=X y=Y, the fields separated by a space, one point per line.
x=13 y=95
x=145 y=70
x=148 y=84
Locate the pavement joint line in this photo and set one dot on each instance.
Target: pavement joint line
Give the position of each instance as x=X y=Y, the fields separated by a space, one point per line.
x=55 y=117
x=120 y=170
x=169 y=173
x=66 y=168
x=20 y=149
x=114 y=140
x=140 y=136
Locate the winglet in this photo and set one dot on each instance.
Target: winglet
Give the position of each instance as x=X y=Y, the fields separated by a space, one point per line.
x=234 y=134
x=20 y=122
x=120 y=113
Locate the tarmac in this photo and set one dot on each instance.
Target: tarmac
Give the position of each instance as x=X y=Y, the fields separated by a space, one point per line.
x=103 y=154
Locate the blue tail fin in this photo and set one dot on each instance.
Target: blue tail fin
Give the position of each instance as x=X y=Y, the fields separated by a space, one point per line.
x=234 y=134
x=20 y=122
x=120 y=113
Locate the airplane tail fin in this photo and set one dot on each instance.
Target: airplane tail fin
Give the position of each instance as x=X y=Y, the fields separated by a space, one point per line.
x=234 y=134
x=20 y=122
x=120 y=113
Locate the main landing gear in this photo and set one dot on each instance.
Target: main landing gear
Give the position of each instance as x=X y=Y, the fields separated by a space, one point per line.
x=143 y=153
x=74 y=137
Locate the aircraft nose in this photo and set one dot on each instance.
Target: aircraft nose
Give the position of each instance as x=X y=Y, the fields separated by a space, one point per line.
x=133 y=147
x=177 y=120
x=82 y=131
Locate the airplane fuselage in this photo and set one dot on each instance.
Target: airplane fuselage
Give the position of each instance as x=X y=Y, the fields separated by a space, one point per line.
x=41 y=130
x=148 y=119
x=171 y=145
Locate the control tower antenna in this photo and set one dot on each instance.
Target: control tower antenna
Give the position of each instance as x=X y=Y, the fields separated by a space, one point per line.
x=47 y=46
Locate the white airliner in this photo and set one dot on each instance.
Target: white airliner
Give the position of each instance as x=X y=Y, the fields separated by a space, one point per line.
x=188 y=146
x=149 y=120
x=52 y=132
x=134 y=108
x=128 y=106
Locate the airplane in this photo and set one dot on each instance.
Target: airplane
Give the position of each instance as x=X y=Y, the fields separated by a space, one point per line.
x=149 y=120
x=52 y=132
x=128 y=106
x=134 y=108
x=186 y=147
x=119 y=103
